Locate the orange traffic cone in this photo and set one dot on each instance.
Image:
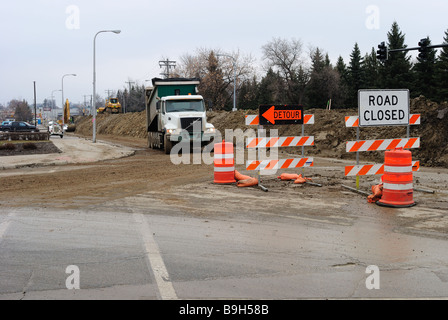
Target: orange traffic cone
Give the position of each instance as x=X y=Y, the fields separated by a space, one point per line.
x=301 y=180
x=248 y=182
x=239 y=176
x=377 y=193
x=288 y=176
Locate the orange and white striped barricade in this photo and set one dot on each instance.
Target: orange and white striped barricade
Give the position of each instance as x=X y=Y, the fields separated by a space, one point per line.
x=279 y=142
x=398 y=188
x=378 y=145
x=382 y=144
x=372 y=169
x=276 y=142
x=279 y=164
x=353 y=121
x=224 y=163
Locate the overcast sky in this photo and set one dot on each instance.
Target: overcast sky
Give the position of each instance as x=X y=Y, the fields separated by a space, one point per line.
x=42 y=40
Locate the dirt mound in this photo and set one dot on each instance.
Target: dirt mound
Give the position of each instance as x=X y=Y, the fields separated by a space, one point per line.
x=128 y=124
x=329 y=131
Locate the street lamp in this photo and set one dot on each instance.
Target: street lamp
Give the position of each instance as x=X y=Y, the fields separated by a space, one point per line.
x=94 y=82
x=65 y=75
x=234 y=78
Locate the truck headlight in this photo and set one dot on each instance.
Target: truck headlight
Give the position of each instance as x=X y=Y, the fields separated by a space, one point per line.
x=211 y=130
x=171 y=131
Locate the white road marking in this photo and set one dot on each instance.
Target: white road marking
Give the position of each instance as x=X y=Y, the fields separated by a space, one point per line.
x=5 y=224
x=158 y=267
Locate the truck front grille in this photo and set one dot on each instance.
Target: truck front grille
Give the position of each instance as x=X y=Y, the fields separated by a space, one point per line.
x=190 y=124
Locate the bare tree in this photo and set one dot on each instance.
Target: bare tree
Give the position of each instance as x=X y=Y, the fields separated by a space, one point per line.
x=285 y=56
x=230 y=64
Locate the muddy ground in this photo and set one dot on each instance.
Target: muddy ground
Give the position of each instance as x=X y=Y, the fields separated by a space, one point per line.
x=191 y=189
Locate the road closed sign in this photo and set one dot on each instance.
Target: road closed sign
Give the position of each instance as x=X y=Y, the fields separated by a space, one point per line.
x=383 y=107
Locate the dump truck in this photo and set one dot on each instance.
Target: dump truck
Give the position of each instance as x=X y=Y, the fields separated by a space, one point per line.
x=176 y=113
x=112 y=106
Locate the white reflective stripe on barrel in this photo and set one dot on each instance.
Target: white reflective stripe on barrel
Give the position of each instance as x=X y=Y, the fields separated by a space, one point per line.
x=393 y=186
x=400 y=169
x=224 y=156
x=224 y=169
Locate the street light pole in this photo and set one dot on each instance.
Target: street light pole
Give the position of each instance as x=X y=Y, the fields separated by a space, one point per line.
x=234 y=78
x=69 y=74
x=94 y=82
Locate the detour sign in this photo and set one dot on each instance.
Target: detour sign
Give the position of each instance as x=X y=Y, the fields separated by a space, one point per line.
x=280 y=114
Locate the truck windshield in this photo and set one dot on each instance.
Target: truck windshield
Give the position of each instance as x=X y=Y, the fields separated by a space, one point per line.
x=184 y=105
x=113 y=100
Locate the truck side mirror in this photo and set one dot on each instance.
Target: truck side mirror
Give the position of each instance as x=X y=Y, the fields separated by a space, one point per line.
x=158 y=105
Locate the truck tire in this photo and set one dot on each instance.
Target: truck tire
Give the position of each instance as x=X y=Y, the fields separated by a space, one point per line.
x=167 y=144
x=151 y=142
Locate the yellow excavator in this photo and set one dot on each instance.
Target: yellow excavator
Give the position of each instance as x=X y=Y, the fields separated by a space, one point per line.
x=112 y=106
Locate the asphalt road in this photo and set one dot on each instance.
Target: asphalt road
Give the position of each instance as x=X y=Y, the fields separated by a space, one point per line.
x=171 y=233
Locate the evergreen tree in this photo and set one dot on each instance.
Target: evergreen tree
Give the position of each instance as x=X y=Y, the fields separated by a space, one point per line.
x=213 y=87
x=317 y=61
x=324 y=81
x=248 y=95
x=355 y=77
x=424 y=74
x=396 y=70
x=441 y=72
x=371 y=70
x=341 y=68
x=271 y=88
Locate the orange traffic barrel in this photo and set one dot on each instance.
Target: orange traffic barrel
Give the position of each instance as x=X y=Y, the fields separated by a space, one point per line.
x=398 y=189
x=224 y=163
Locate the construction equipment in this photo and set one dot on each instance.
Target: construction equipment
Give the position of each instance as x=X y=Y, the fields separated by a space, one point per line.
x=112 y=106
x=176 y=113
x=66 y=112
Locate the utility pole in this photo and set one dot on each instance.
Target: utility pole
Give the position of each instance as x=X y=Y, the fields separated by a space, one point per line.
x=129 y=83
x=108 y=93
x=35 y=107
x=167 y=64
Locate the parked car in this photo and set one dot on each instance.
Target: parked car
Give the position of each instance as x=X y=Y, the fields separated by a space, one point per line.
x=55 y=129
x=19 y=126
x=5 y=123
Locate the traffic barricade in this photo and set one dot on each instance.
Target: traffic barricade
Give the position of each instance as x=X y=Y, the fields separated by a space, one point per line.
x=224 y=163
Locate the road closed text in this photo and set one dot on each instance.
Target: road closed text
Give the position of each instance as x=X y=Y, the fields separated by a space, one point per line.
x=380 y=114
x=383 y=107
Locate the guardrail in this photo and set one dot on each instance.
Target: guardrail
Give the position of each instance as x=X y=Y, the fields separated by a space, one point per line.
x=32 y=136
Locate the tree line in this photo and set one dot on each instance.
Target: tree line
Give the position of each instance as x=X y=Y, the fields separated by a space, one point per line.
x=313 y=81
